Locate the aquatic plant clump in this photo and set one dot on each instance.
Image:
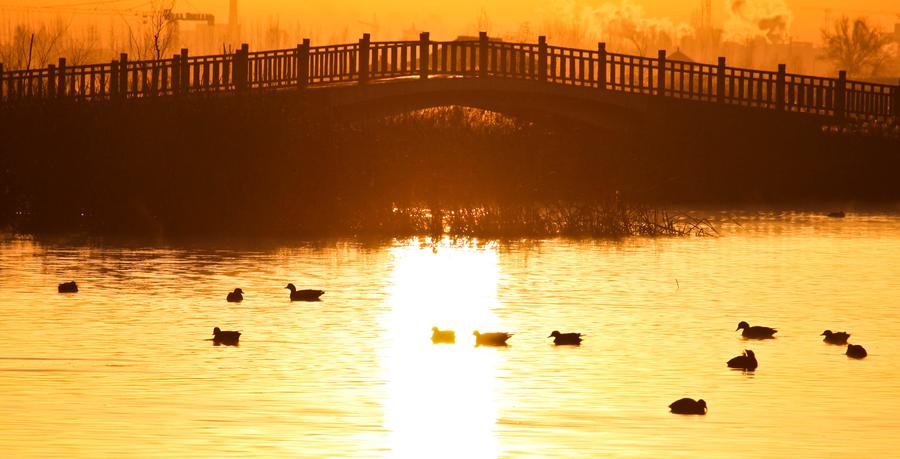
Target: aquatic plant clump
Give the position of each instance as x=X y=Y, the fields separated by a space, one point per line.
x=546 y=220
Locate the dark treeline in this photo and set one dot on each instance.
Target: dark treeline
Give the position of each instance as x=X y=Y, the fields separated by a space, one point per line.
x=270 y=165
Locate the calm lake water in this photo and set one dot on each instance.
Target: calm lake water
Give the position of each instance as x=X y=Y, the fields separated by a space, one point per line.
x=125 y=368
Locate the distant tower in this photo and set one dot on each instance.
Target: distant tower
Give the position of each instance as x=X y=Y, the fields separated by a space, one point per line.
x=705 y=14
x=234 y=30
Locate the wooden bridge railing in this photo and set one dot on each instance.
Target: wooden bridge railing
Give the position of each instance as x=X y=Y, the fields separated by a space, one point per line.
x=368 y=61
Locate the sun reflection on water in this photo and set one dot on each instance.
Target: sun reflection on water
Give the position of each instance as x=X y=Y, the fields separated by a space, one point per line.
x=441 y=399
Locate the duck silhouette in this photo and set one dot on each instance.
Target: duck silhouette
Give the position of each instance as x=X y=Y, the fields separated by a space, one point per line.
x=442 y=336
x=835 y=337
x=236 y=296
x=688 y=406
x=67 y=287
x=757 y=332
x=747 y=361
x=226 y=337
x=564 y=339
x=491 y=339
x=304 y=295
x=856 y=351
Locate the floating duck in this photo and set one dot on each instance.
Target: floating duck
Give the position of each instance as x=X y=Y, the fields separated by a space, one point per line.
x=442 y=336
x=491 y=339
x=226 y=337
x=856 y=351
x=304 y=295
x=67 y=287
x=688 y=406
x=835 y=337
x=747 y=361
x=236 y=296
x=561 y=339
x=756 y=332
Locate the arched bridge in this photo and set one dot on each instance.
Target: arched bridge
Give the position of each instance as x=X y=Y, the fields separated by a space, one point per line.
x=591 y=85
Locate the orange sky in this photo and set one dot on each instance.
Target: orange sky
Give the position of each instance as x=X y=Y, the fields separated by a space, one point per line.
x=326 y=17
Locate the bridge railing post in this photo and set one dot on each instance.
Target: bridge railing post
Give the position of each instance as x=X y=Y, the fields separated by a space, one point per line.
x=303 y=64
x=840 y=96
x=240 y=68
x=780 y=82
x=542 y=58
x=364 y=58
x=114 y=79
x=661 y=73
x=424 y=54
x=175 y=74
x=61 y=88
x=601 y=66
x=720 y=81
x=482 y=54
x=123 y=75
x=51 y=81
x=895 y=110
x=185 y=77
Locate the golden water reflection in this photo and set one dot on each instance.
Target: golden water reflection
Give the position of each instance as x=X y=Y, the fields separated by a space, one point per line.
x=441 y=399
x=125 y=369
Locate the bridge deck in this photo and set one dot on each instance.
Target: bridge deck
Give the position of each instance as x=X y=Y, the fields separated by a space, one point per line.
x=368 y=61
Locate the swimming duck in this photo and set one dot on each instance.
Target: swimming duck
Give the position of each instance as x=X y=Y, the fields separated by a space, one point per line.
x=304 y=295
x=226 y=337
x=756 y=332
x=688 y=406
x=561 y=339
x=835 y=337
x=747 y=361
x=67 y=287
x=856 y=351
x=442 y=336
x=236 y=296
x=491 y=339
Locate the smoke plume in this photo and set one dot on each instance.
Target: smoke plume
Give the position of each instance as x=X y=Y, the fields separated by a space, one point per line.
x=752 y=19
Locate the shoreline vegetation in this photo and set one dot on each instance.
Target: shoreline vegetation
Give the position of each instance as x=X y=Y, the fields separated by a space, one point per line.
x=273 y=166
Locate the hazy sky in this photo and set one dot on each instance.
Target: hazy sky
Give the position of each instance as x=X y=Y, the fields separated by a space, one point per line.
x=324 y=17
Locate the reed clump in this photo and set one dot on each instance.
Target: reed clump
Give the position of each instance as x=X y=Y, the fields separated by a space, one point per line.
x=557 y=219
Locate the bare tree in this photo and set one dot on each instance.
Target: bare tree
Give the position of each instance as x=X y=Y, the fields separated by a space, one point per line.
x=857 y=46
x=83 y=49
x=156 y=33
x=31 y=46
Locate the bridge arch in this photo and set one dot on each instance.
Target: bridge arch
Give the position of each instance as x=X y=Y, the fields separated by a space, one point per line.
x=526 y=100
